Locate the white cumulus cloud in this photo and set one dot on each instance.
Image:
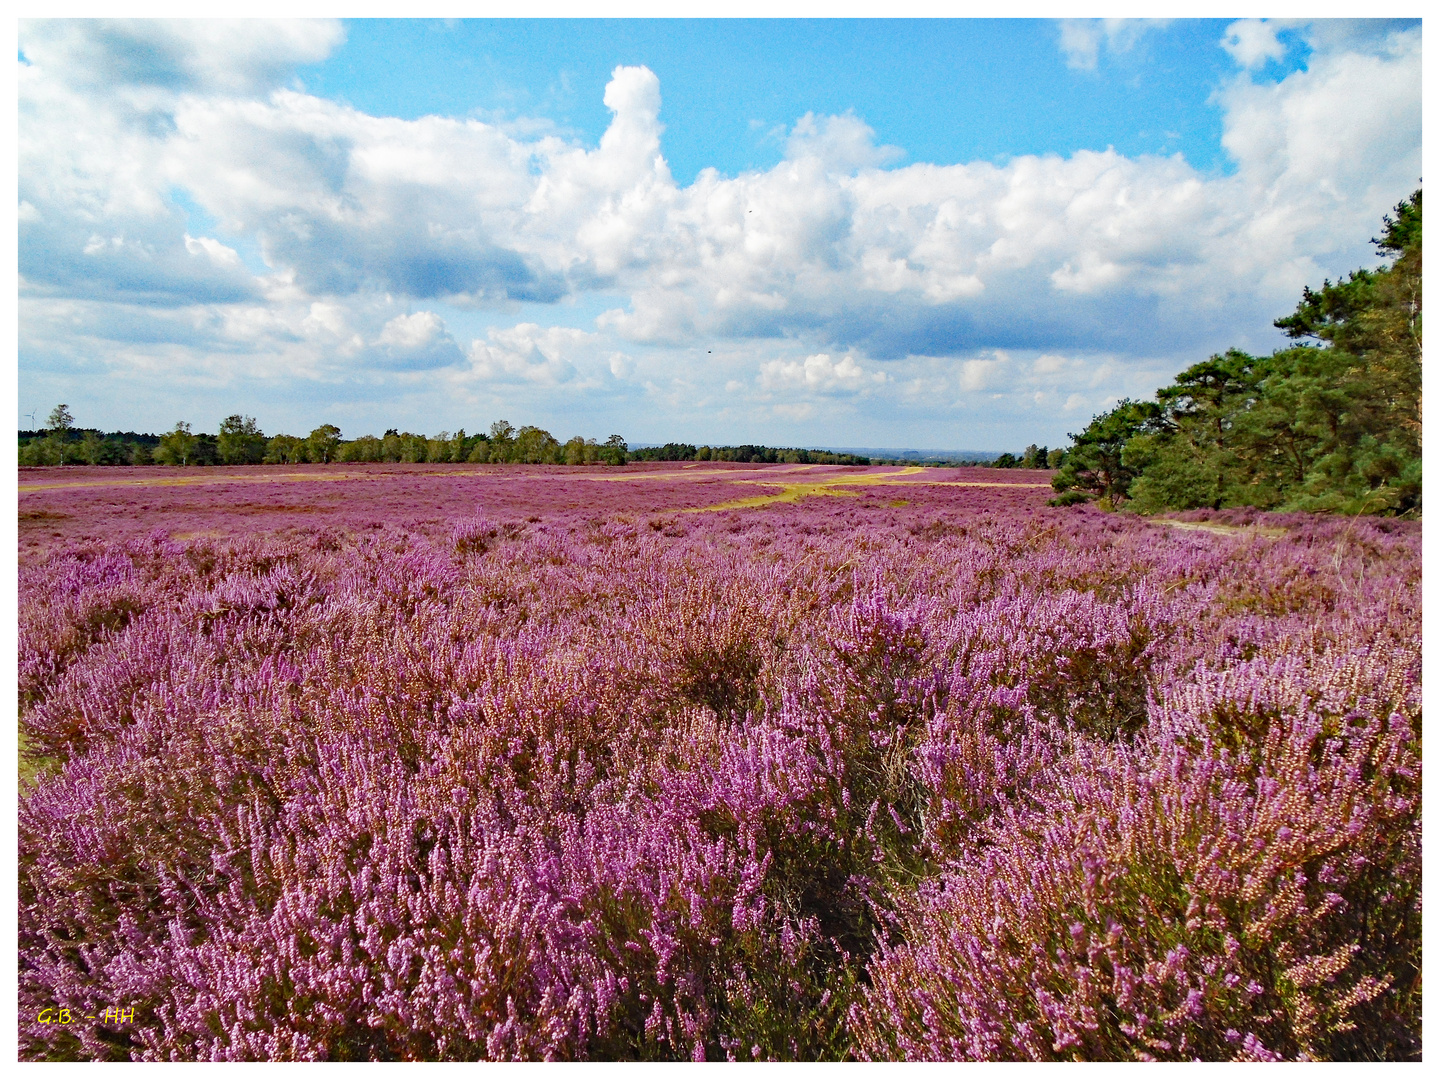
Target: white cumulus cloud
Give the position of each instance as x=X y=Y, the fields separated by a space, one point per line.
x=1081 y=39
x=214 y=250
x=529 y=352
x=1252 y=42
x=416 y=340
x=818 y=373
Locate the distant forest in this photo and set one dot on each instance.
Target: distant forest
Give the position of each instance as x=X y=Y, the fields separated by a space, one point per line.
x=241 y=442
x=1033 y=457
x=1331 y=424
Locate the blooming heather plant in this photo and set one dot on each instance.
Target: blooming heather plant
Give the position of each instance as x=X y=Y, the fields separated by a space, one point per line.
x=457 y=764
x=1159 y=902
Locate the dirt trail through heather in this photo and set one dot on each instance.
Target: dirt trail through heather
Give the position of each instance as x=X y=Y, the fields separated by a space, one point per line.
x=1220 y=528
x=795 y=490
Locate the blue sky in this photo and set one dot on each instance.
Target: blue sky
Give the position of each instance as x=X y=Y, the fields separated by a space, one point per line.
x=945 y=92
x=946 y=233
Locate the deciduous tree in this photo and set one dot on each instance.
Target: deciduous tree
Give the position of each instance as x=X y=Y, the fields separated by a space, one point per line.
x=240 y=442
x=614 y=452
x=176 y=447
x=322 y=443
x=61 y=420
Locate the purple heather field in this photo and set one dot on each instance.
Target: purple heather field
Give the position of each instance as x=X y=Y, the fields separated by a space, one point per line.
x=717 y=761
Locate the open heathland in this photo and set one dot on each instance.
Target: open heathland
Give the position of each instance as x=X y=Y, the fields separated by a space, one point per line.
x=708 y=761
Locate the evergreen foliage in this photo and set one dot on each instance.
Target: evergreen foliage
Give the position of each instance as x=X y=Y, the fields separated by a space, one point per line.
x=1329 y=424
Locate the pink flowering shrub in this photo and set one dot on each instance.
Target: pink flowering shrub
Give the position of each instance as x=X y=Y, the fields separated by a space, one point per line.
x=1178 y=898
x=973 y=779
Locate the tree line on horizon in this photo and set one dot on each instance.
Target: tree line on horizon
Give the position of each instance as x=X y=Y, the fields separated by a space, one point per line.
x=746 y=452
x=1329 y=425
x=241 y=442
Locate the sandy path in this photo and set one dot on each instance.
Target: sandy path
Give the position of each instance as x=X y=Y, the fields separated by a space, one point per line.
x=1220 y=528
x=794 y=491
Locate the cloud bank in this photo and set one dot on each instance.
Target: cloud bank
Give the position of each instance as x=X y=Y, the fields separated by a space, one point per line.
x=189 y=216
